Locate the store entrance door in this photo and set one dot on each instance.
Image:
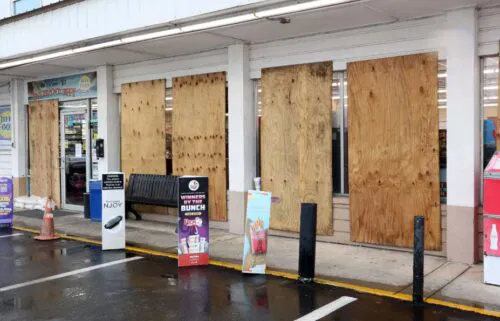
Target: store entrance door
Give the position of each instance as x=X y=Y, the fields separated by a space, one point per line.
x=74 y=158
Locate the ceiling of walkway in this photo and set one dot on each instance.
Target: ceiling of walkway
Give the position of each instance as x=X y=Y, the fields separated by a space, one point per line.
x=365 y=13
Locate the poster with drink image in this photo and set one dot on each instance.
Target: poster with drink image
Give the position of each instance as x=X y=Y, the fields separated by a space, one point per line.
x=256 y=231
x=193 y=221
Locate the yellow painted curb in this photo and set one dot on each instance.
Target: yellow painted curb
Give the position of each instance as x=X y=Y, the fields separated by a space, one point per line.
x=292 y=276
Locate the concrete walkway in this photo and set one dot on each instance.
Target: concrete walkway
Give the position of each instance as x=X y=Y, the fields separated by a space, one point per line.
x=388 y=270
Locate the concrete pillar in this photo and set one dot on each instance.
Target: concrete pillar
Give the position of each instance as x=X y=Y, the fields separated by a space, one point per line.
x=19 y=148
x=242 y=135
x=108 y=120
x=463 y=147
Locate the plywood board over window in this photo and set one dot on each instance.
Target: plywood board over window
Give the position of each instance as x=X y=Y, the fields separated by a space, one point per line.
x=199 y=134
x=143 y=130
x=45 y=179
x=393 y=150
x=296 y=142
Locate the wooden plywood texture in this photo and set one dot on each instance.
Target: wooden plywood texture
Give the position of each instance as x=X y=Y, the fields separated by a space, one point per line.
x=143 y=131
x=296 y=142
x=44 y=147
x=199 y=135
x=393 y=150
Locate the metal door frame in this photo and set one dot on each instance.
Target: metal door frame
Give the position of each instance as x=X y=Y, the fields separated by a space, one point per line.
x=64 y=112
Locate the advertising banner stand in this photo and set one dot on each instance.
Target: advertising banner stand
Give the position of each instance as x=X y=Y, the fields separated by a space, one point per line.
x=113 y=211
x=6 y=202
x=193 y=221
x=256 y=231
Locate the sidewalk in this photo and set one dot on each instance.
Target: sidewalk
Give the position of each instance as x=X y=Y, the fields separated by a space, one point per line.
x=388 y=270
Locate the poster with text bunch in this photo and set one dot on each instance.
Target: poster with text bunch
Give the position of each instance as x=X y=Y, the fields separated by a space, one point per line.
x=193 y=221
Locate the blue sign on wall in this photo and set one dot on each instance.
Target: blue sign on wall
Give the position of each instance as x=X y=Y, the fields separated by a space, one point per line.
x=64 y=88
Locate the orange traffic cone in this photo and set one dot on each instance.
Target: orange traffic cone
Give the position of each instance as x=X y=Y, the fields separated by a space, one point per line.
x=47 y=230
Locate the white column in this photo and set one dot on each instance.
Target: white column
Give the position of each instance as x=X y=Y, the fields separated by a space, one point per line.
x=19 y=148
x=108 y=120
x=242 y=134
x=463 y=147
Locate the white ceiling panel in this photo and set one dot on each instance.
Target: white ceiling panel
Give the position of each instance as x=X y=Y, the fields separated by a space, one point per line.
x=102 y=57
x=406 y=9
x=182 y=44
x=36 y=70
x=333 y=19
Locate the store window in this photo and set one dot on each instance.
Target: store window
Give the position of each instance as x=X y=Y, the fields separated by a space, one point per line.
x=489 y=105
x=340 y=132
x=22 y=6
x=443 y=129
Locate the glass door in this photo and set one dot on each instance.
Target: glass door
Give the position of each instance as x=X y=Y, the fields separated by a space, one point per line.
x=74 y=157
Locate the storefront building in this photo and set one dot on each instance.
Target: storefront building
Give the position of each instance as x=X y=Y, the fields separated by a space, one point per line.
x=376 y=113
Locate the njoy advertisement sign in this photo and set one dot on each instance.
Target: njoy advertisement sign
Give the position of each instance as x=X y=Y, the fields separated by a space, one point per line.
x=113 y=211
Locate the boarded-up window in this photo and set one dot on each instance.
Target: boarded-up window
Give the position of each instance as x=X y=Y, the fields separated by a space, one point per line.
x=143 y=131
x=45 y=176
x=296 y=142
x=393 y=150
x=199 y=134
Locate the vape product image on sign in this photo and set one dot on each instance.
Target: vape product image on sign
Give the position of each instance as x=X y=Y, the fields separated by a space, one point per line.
x=112 y=223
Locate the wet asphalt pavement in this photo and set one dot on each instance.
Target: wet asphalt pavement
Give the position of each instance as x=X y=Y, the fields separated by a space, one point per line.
x=152 y=288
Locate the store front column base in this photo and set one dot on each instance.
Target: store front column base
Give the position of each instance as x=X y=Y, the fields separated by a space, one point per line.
x=20 y=186
x=237 y=203
x=461 y=234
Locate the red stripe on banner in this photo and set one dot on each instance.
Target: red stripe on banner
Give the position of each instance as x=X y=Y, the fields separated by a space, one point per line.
x=193 y=259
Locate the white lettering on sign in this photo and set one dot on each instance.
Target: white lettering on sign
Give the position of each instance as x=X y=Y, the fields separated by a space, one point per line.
x=186 y=208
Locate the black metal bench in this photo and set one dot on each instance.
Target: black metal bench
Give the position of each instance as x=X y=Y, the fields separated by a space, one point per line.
x=147 y=189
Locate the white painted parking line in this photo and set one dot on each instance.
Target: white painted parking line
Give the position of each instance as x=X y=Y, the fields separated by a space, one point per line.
x=327 y=309
x=10 y=235
x=63 y=275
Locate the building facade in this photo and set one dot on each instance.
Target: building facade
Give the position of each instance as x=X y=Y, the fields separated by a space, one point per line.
x=376 y=110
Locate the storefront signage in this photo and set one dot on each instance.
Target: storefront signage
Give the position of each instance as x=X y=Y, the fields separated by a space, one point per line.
x=64 y=88
x=256 y=231
x=113 y=211
x=193 y=220
x=5 y=123
x=6 y=201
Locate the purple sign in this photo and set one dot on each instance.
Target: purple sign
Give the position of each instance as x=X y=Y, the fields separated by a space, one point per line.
x=6 y=201
x=193 y=220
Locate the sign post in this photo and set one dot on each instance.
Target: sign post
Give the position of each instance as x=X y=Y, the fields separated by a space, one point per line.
x=6 y=201
x=256 y=230
x=113 y=211
x=193 y=221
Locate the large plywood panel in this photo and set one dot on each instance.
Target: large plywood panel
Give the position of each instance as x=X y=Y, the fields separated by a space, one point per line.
x=393 y=150
x=143 y=131
x=199 y=134
x=296 y=142
x=45 y=180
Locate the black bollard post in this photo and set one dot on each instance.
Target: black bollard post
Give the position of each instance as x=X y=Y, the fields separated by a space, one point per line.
x=307 y=243
x=418 y=260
